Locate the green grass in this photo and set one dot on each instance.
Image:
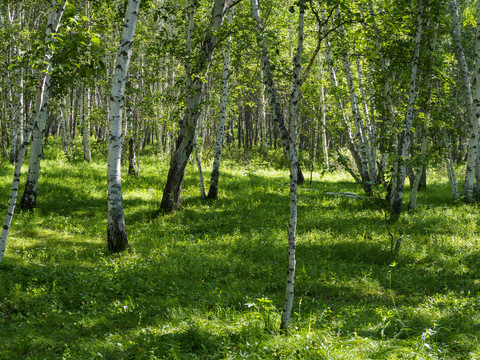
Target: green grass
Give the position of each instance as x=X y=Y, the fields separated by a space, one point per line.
x=208 y=282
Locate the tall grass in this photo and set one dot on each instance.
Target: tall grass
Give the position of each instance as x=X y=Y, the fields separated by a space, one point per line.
x=207 y=282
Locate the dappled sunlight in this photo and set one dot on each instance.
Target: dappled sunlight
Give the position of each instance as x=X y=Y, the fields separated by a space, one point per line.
x=210 y=278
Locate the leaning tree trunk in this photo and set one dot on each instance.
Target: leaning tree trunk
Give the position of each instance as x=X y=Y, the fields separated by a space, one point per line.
x=173 y=188
x=333 y=79
x=360 y=128
x=29 y=197
x=467 y=191
x=54 y=18
x=407 y=125
x=271 y=90
x=213 y=190
x=116 y=231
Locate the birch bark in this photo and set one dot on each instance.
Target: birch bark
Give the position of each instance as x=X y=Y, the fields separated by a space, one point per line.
x=213 y=190
x=387 y=92
x=476 y=99
x=290 y=285
x=116 y=231
x=271 y=90
x=333 y=79
x=53 y=23
x=29 y=196
x=404 y=144
x=424 y=132
x=87 y=153
x=63 y=131
x=172 y=192
x=360 y=135
x=450 y=168
x=472 y=151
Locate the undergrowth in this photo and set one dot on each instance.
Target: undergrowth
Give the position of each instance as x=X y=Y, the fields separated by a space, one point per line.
x=208 y=282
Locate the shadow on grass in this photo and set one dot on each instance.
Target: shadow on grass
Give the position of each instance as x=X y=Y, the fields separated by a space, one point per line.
x=204 y=263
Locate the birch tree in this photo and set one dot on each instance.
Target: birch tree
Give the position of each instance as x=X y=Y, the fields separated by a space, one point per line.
x=184 y=145
x=53 y=23
x=271 y=90
x=404 y=143
x=292 y=226
x=476 y=98
x=116 y=231
x=472 y=150
x=361 y=135
x=29 y=197
x=213 y=190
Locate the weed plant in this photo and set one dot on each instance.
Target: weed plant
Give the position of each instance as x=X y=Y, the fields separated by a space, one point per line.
x=208 y=282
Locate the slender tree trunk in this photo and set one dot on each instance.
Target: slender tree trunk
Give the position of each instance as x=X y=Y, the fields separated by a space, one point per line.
x=360 y=135
x=350 y=140
x=294 y=98
x=87 y=153
x=424 y=132
x=213 y=190
x=476 y=100
x=29 y=197
x=272 y=92
x=390 y=111
x=324 y=126
x=116 y=231
x=14 y=190
x=472 y=151
x=63 y=130
x=450 y=168
x=54 y=18
x=69 y=122
x=199 y=167
x=132 y=159
x=407 y=125
x=262 y=114
x=184 y=145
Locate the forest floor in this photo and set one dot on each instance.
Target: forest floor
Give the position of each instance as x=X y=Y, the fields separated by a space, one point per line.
x=208 y=282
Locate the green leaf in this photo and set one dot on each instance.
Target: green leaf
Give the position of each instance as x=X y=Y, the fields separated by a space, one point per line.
x=96 y=40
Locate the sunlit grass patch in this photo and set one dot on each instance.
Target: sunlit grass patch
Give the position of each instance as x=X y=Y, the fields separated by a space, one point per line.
x=208 y=282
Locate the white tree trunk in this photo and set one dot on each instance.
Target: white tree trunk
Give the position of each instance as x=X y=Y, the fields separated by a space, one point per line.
x=63 y=132
x=476 y=100
x=41 y=104
x=271 y=90
x=87 y=153
x=369 y=125
x=116 y=231
x=29 y=197
x=213 y=190
x=360 y=135
x=387 y=91
x=472 y=150
x=172 y=192
x=262 y=113
x=407 y=125
x=333 y=80
x=424 y=131
x=288 y=303
x=450 y=168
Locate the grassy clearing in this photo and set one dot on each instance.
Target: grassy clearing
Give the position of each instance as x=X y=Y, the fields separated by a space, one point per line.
x=207 y=282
